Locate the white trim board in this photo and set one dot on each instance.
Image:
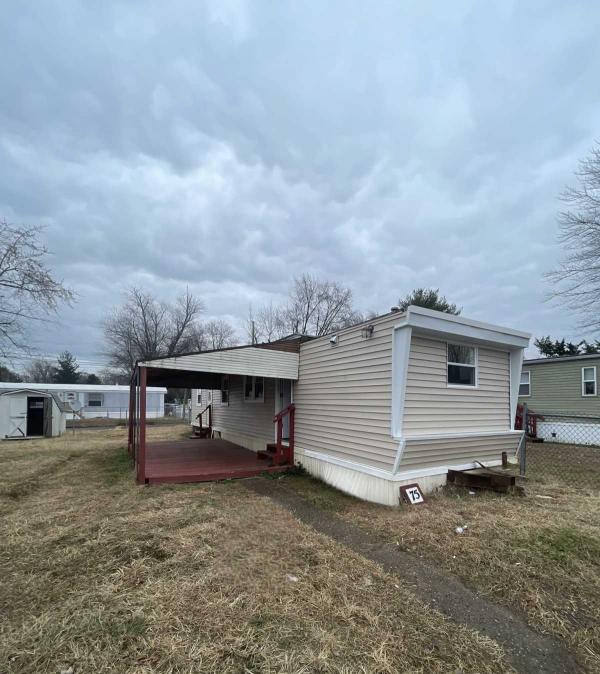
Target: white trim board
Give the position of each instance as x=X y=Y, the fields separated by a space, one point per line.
x=388 y=475
x=401 y=342
x=461 y=434
x=448 y=326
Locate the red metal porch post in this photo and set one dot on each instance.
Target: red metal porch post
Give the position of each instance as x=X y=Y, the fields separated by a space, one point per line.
x=141 y=465
x=131 y=414
x=291 y=434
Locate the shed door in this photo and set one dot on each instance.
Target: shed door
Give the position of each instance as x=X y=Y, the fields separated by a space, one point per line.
x=17 y=425
x=35 y=415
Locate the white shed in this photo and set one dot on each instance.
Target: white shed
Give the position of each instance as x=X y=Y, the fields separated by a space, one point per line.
x=30 y=413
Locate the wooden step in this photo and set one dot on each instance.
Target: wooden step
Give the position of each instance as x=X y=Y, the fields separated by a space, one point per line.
x=201 y=432
x=272 y=446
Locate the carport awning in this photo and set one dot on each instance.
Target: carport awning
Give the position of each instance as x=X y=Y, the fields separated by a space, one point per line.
x=204 y=369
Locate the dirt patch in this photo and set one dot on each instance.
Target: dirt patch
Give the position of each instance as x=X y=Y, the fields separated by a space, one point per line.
x=527 y=650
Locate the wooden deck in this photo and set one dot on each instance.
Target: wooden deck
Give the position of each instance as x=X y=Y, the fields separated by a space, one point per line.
x=202 y=460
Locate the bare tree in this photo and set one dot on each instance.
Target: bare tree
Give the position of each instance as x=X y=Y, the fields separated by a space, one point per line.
x=220 y=334
x=270 y=322
x=318 y=307
x=144 y=328
x=578 y=276
x=40 y=371
x=253 y=330
x=215 y=334
x=111 y=376
x=28 y=291
x=314 y=307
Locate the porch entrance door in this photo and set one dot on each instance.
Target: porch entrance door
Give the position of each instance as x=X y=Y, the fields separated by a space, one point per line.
x=35 y=416
x=284 y=399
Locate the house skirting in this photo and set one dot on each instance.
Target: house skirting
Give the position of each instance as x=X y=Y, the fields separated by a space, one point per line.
x=569 y=431
x=371 y=484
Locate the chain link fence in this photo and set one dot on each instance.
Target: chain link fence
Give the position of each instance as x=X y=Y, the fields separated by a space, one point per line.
x=560 y=448
x=101 y=417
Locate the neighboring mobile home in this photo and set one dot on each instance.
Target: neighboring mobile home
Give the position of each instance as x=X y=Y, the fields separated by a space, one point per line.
x=564 y=391
x=399 y=399
x=97 y=400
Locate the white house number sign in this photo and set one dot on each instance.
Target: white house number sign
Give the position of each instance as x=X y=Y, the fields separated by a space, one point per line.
x=411 y=494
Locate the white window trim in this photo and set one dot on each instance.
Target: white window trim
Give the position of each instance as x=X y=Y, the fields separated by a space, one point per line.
x=475 y=365
x=583 y=382
x=199 y=398
x=525 y=395
x=253 y=400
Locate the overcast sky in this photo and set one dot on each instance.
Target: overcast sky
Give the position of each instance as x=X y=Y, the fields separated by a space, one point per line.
x=228 y=146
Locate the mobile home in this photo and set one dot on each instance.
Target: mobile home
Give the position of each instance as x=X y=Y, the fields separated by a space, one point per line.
x=399 y=399
x=562 y=393
x=97 y=400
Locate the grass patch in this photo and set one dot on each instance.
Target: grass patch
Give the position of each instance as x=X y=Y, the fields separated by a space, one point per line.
x=102 y=575
x=565 y=546
x=540 y=556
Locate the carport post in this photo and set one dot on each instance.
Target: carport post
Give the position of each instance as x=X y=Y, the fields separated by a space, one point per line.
x=131 y=414
x=141 y=464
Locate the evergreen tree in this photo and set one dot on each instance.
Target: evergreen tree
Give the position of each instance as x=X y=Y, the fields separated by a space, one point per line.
x=67 y=371
x=8 y=375
x=429 y=298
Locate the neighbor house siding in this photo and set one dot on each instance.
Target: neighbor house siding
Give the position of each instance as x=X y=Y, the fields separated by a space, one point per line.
x=432 y=407
x=556 y=387
x=343 y=397
x=248 y=424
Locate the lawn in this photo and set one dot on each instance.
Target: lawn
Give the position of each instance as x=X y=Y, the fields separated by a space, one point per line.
x=538 y=554
x=101 y=575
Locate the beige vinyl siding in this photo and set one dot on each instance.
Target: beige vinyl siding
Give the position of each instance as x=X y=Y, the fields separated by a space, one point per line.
x=252 y=420
x=428 y=453
x=343 y=396
x=249 y=360
x=556 y=387
x=432 y=407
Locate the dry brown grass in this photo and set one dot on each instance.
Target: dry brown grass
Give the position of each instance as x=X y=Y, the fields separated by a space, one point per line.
x=540 y=556
x=109 y=577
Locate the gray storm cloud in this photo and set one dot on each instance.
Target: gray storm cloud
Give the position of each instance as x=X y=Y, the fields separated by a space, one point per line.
x=228 y=146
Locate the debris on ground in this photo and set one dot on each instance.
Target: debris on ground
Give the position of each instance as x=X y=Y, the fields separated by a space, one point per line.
x=292 y=579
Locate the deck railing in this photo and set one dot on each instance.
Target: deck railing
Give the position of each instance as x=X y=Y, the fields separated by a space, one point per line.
x=531 y=422
x=284 y=454
x=200 y=415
